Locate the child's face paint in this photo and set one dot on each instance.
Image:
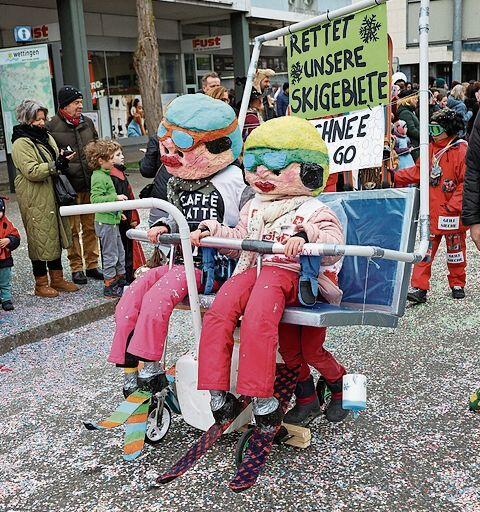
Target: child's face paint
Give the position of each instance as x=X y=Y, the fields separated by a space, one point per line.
x=194 y=164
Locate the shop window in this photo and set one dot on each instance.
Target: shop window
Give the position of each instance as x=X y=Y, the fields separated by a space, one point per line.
x=190 y=68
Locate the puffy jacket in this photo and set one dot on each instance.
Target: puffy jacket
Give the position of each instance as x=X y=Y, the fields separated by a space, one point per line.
x=8 y=230
x=460 y=107
x=471 y=189
x=446 y=197
x=47 y=231
x=407 y=114
x=103 y=191
x=77 y=137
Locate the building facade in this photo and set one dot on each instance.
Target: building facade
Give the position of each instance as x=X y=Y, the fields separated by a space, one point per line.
x=403 y=28
x=194 y=37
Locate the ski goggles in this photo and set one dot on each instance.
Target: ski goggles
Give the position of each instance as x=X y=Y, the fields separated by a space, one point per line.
x=186 y=140
x=435 y=130
x=277 y=160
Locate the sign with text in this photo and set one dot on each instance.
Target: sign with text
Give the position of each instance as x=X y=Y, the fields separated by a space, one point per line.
x=354 y=141
x=207 y=44
x=339 y=66
x=24 y=74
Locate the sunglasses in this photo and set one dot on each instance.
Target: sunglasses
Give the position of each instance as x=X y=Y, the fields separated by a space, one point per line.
x=186 y=140
x=275 y=161
x=435 y=130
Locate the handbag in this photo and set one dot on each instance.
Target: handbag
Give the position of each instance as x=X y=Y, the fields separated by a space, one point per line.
x=146 y=191
x=64 y=192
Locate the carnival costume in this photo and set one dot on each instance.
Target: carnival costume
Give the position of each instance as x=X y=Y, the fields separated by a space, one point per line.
x=199 y=140
x=447 y=172
x=285 y=170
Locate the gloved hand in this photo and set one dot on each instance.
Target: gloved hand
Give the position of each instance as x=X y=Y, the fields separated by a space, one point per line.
x=61 y=163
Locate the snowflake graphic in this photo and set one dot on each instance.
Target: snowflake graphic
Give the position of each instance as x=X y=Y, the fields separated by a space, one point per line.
x=296 y=72
x=369 y=29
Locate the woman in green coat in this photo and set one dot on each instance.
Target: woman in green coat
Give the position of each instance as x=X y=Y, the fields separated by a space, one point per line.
x=36 y=157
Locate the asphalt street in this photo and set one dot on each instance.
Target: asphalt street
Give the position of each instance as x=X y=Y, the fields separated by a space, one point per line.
x=414 y=449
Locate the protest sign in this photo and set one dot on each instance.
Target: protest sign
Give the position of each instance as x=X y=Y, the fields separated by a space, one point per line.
x=354 y=141
x=339 y=66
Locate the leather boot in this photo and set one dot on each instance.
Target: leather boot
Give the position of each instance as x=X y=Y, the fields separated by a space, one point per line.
x=58 y=282
x=42 y=289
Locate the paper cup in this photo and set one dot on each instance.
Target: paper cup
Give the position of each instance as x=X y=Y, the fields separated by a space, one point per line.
x=354 y=396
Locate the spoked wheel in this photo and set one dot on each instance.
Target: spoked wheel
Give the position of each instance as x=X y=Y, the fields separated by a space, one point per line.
x=242 y=445
x=157 y=430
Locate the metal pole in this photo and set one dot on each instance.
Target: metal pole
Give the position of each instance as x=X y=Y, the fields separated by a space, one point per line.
x=248 y=85
x=183 y=232
x=424 y=215
x=457 y=41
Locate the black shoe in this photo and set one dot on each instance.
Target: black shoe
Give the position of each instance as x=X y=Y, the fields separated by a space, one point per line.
x=94 y=273
x=303 y=414
x=79 y=277
x=112 y=291
x=7 y=305
x=121 y=281
x=335 y=412
x=458 y=292
x=417 y=296
x=270 y=421
x=128 y=391
x=229 y=410
x=153 y=384
x=305 y=294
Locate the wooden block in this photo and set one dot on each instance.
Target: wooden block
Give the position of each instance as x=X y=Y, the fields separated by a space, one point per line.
x=297 y=443
x=303 y=434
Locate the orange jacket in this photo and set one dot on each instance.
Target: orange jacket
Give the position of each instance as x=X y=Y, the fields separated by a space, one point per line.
x=446 y=197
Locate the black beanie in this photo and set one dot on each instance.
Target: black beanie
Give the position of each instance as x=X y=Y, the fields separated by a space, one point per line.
x=2 y=205
x=451 y=121
x=67 y=94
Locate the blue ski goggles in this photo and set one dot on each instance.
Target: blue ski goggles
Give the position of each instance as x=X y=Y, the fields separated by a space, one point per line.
x=186 y=140
x=280 y=159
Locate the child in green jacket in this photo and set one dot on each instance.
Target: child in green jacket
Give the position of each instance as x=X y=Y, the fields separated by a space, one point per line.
x=100 y=156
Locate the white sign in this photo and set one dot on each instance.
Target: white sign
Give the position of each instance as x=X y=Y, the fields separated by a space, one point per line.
x=355 y=141
x=448 y=222
x=207 y=44
x=24 y=74
x=455 y=257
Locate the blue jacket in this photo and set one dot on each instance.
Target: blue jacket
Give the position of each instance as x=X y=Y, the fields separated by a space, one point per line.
x=282 y=104
x=460 y=107
x=133 y=129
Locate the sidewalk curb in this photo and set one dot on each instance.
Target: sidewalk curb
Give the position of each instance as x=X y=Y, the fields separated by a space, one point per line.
x=57 y=326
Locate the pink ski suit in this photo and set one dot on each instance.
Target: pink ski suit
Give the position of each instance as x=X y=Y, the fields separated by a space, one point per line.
x=261 y=300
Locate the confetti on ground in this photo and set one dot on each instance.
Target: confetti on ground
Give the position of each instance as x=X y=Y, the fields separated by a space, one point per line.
x=414 y=449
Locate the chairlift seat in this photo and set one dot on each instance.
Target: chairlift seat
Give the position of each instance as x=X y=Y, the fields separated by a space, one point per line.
x=374 y=291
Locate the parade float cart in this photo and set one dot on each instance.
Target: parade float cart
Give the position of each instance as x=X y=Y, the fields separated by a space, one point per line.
x=379 y=249
x=380 y=232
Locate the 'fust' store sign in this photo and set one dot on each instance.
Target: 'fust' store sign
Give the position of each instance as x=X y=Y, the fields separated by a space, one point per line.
x=207 y=44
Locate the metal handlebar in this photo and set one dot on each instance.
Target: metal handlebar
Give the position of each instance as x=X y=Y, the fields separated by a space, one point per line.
x=263 y=247
x=183 y=237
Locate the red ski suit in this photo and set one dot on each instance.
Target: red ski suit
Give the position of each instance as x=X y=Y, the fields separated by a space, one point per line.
x=445 y=212
x=261 y=300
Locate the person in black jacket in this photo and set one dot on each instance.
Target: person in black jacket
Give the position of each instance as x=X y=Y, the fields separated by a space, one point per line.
x=471 y=186
x=152 y=167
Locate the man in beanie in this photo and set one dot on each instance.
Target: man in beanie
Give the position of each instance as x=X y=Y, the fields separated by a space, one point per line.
x=73 y=131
